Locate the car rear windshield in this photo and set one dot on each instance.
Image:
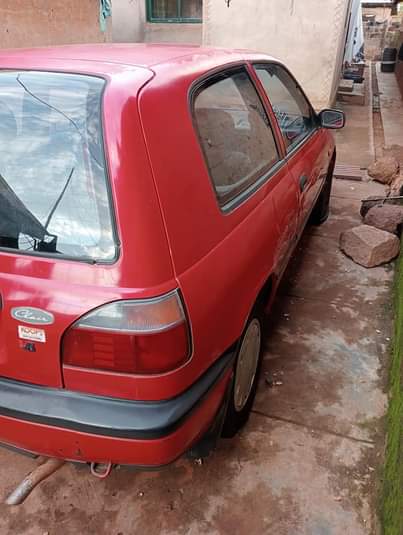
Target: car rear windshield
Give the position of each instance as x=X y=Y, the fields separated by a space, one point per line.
x=53 y=184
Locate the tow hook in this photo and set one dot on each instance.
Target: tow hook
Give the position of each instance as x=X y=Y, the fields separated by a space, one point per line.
x=27 y=485
x=101 y=470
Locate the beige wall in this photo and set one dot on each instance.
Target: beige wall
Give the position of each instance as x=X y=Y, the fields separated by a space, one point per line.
x=128 y=21
x=26 y=23
x=309 y=36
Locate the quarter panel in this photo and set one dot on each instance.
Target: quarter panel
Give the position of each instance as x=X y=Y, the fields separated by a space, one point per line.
x=221 y=260
x=221 y=289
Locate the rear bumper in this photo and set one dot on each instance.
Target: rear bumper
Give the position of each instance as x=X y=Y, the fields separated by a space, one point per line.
x=74 y=426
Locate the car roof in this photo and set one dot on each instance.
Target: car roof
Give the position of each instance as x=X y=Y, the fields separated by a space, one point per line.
x=148 y=55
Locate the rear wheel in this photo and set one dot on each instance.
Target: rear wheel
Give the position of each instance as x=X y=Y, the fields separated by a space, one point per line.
x=246 y=375
x=321 y=210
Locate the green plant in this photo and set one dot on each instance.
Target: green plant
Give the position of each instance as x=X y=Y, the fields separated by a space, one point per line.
x=392 y=505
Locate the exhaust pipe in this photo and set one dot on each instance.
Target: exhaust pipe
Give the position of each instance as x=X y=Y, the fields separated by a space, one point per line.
x=33 y=479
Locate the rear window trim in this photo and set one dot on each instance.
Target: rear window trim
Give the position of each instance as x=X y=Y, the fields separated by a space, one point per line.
x=203 y=82
x=111 y=200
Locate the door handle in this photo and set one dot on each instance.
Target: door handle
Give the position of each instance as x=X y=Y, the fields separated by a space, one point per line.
x=303 y=181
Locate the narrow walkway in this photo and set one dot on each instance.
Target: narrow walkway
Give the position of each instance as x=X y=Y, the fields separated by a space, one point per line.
x=392 y=113
x=358 y=135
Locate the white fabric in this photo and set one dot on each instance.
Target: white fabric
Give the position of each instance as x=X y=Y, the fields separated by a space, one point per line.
x=355 y=37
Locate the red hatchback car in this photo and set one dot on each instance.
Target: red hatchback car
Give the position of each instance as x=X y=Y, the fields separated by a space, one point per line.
x=150 y=199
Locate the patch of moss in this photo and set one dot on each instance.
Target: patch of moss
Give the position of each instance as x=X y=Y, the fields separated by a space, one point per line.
x=392 y=503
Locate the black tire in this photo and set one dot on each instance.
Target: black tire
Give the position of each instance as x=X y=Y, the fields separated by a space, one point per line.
x=321 y=210
x=236 y=418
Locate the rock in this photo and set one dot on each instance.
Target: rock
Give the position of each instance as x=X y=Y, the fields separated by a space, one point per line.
x=386 y=216
x=369 y=246
x=384 y=170
x=368 y=203
x=396 y=188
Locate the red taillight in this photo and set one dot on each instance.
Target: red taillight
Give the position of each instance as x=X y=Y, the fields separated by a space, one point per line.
x=137 y=336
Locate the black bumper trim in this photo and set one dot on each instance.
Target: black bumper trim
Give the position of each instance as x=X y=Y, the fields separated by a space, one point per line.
x=106 y=416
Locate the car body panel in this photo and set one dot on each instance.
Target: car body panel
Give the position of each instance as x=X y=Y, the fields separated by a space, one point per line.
x=310 y=161
x=171 y=234
x=73 y=288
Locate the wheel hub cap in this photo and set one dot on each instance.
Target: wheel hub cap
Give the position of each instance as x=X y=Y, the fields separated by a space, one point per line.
x=247 y=364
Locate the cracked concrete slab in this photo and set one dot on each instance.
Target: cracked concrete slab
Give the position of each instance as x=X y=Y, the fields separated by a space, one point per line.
x=321 y=271
x=327 y=357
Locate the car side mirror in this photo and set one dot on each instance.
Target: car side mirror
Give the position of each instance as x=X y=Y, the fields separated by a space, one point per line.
x=333 y=119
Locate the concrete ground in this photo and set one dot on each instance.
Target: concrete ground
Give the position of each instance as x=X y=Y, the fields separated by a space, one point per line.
x=307 y=462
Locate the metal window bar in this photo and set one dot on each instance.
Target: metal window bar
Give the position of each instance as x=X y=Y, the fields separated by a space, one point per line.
x=174 y=11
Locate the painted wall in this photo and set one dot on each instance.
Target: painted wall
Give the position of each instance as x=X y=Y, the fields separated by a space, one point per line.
x=309 y=36
x=128 y=21
x=27 y=23
x=130 y=25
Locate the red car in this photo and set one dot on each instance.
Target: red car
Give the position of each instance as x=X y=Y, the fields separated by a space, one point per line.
x=150 y=199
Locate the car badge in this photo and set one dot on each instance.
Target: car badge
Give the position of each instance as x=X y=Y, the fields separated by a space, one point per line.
x=34 y=316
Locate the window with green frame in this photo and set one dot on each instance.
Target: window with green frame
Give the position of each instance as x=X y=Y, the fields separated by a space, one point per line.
x=174 y=10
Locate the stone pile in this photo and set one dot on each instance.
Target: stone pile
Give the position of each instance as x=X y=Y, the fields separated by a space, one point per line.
x=377 y=240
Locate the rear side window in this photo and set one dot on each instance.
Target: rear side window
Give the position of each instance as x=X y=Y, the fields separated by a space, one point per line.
x=53 y=187
x=293 y=111
x=234 y=132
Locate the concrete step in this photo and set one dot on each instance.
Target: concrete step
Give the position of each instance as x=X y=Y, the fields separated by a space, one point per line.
x=356 y=96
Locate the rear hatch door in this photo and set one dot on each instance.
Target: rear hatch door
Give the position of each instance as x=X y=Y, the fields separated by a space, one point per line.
x=54 y=204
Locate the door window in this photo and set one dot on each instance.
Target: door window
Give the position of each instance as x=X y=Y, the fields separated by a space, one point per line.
x=294 y=113
x=235 y=133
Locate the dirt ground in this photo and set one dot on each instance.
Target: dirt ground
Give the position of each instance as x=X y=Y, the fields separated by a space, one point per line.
x=307 y=463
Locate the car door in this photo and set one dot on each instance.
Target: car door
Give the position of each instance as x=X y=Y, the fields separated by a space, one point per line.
x=298 y=124
x=236 y=134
